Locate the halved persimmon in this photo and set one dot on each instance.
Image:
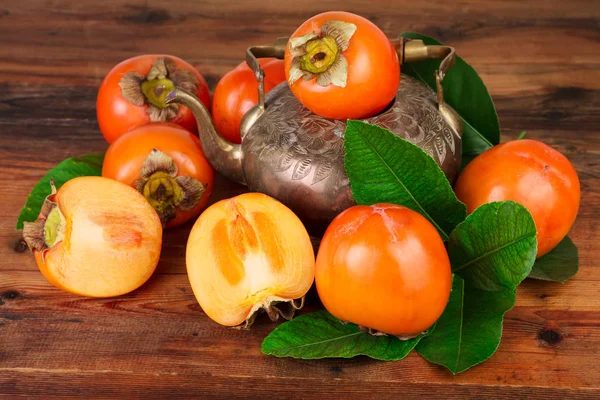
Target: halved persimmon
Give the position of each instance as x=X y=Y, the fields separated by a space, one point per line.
x=95 y=237
x=249 y=253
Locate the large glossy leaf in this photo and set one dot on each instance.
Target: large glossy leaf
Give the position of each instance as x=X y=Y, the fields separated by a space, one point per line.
x=466 y=93
x=321 y=335
x=495 y=246
x=383 y=168
x=469 y=330
x=560 y=264
x=88 y=165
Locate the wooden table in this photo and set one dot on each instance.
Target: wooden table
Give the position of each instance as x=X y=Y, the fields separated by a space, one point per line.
x=541 y=62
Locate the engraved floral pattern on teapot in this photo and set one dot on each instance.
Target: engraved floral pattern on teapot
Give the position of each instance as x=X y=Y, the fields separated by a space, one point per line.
x=290 y=137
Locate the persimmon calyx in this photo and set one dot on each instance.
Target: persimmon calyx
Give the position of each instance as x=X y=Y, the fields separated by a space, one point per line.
x=375 y=332
x=275 y=307
x=320 y=54
x=151 y=90
x=48 y=229
x=164 y=189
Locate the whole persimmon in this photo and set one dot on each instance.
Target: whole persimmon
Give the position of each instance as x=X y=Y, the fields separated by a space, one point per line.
x=246 y=254
x=342 y=66
x=133 y=94
x=237 y=92
x=531 y=173
x=95 y=237
x=384 y=267
x=165 y=163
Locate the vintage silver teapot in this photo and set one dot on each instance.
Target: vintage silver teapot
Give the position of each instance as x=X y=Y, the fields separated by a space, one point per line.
x=297 y=157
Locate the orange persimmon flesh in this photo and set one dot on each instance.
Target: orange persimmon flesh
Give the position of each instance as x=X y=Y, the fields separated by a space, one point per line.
x=111 y=243
x=244 y=254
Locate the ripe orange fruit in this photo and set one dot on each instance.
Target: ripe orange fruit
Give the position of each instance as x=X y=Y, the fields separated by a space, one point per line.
x=237 y=92
x=384 y=267
x=531 y=173
x=166 y=164
x=340 y=65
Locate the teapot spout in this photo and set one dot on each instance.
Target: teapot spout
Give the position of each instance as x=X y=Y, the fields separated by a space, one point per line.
x=224 y=156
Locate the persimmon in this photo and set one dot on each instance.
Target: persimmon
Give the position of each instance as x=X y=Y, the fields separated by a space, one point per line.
x=237 y=92
x=249 y=253
x=95 y=237
x=340 y=65
x=531 y=173
x=384 y=267
x=166 y=164
x=133 y=94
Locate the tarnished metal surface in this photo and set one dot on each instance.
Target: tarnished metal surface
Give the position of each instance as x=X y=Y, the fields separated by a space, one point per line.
x=298 y=157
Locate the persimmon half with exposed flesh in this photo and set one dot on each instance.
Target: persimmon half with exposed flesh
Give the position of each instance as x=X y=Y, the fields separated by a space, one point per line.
x=95 y=237
x=249 y=253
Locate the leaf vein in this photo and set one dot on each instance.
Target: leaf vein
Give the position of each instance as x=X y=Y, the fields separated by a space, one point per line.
x=405 y=188
x=462 y=307
x=489 y=253
x=320 y=342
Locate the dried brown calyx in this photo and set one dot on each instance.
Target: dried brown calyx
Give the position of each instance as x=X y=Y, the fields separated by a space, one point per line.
x=320 y=54
x=375 y=332
x=48 y=229
x=275 y=307
x=164 y=189
x=151 y=90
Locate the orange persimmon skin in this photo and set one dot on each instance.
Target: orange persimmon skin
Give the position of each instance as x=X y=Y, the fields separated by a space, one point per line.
x=117 y=116
x=125 y=157
x=107 y=249
x=373 y=72
x=237 y=92
x=40 y=259
x=531 y=173
x=384 y=267
x=244 y=253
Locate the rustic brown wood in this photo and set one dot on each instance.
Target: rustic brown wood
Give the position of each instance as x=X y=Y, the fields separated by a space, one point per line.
x=541 y=62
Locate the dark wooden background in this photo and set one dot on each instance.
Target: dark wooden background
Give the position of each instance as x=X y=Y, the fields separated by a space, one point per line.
x=541 y=62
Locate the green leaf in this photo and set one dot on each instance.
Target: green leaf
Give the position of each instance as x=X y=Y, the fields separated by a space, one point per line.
x=495 y=246
x=558 y=265
x=383 y=168
x=321 y=335
x=491 y=252
x=88 y=165
x=469 y=330
x=466 y=93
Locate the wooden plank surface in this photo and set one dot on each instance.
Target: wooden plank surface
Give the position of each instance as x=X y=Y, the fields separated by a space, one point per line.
x=541 y=62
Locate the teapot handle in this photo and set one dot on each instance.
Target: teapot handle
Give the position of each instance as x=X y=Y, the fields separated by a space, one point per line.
x=253 y=53
x=414 y=50
x=408 y=50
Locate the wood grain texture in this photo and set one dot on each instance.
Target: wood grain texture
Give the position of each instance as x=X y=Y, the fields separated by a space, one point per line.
x=541 y=62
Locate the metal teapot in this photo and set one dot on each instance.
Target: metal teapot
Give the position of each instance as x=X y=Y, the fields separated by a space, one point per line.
x=297 y=157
